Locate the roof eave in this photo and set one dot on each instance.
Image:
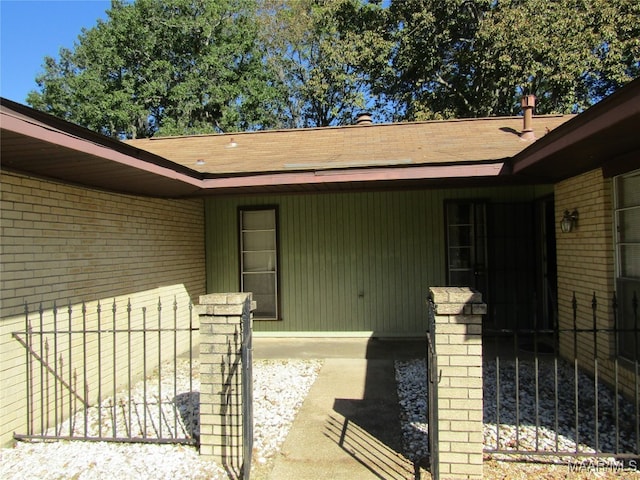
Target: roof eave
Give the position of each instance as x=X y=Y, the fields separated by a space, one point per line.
x=103 y=158
x=604 y=135
x=422 y=172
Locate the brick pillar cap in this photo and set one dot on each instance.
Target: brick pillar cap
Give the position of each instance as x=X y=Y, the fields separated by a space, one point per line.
x=234 y=298
x=464 y=295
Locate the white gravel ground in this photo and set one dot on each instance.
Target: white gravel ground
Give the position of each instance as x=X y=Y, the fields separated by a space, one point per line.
x=104 y=461
x=279 y=390
x=412 y=394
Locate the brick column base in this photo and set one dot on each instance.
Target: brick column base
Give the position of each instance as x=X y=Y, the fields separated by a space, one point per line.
x=458 y=344
x=221 y=400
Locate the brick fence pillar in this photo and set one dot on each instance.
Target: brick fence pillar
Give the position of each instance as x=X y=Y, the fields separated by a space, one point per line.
x=220 y=317
x=458 y=345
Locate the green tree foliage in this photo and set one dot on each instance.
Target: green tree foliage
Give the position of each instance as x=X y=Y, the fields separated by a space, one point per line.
x=322 y=53
x=162 y=67
x=476 y=58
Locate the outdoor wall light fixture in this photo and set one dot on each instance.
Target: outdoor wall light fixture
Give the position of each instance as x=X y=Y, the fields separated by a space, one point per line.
x=569 y=221
x=232 y=143
x=200 y=162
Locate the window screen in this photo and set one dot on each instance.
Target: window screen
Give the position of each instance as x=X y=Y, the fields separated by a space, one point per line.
x=627 y=216
x=259 y=259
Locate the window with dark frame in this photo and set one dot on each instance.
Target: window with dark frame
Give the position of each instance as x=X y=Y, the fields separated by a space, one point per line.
x=259 y=259
x=466 y=239
x=627 y=238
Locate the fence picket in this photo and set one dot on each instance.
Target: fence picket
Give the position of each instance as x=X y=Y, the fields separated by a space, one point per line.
x=586 y=414
x=59 y=389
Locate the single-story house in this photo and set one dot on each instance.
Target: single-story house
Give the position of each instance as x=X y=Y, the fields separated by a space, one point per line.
x=337 y=231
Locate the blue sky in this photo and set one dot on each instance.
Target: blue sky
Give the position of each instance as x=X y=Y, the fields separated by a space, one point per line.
x=33 y=29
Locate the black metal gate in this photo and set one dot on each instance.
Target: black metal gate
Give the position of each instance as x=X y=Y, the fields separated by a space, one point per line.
x=247 y=389
x=432 y=392
x=111 y=374
x=564 y=392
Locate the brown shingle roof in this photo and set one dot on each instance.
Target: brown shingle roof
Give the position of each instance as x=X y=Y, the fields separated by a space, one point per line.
x=419 y=143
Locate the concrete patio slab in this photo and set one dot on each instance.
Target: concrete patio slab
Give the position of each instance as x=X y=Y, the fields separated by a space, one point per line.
x=348 y=427
x=319 y=348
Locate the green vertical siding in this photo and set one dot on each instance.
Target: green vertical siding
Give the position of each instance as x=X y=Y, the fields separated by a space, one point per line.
x=349 y=262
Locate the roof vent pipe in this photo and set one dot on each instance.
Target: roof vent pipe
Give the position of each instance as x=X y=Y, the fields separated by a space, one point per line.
x=528 y=104
x=364 y=118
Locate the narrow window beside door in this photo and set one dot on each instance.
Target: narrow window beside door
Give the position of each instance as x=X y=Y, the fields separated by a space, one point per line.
x=259 y=259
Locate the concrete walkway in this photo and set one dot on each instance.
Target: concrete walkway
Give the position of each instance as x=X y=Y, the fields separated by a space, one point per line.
x=348 y=427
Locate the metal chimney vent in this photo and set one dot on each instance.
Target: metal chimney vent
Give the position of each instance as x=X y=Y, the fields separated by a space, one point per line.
x=364 y=118
x=528 y=104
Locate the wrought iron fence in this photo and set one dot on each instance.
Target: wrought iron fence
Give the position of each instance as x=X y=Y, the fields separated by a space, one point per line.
x=111 y=374
x=247 y=389
x=432 y=392
x=564 y=392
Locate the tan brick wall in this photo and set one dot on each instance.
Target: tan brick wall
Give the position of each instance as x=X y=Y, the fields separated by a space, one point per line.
x=585 y=260
x=67 y=244
x=585 y=255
